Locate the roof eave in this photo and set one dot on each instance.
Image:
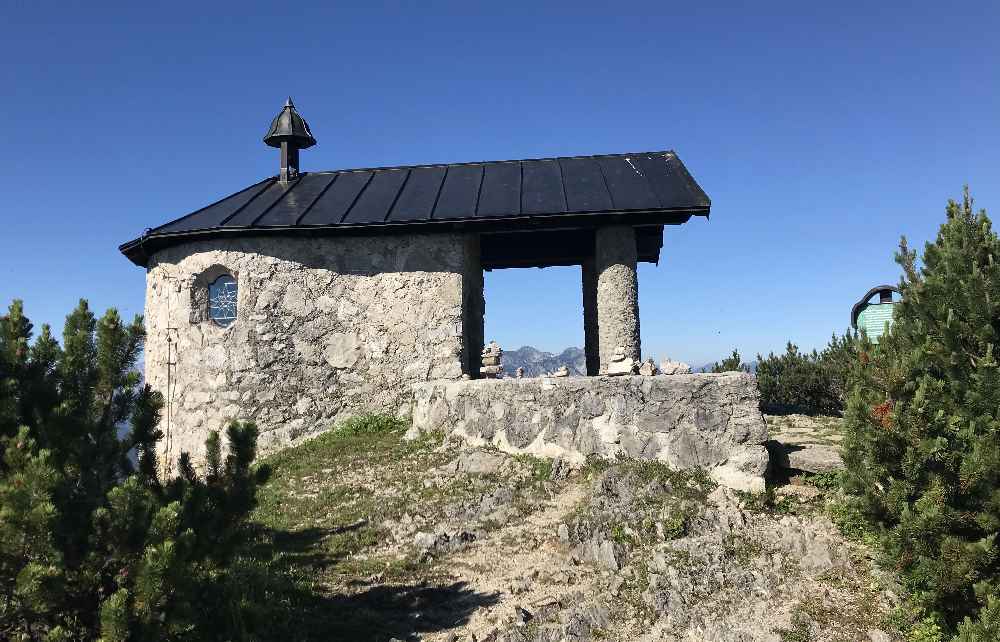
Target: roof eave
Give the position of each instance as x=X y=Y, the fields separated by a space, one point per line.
x=140 y=250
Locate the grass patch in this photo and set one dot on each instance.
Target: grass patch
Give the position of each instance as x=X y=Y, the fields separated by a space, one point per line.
x=321 y=564
x=541 y=469
x=827 y=482
x=329 y=547
x=659 y=501
x=595 y=465
x=323 y=491
x=851 y=523
x=369 y=425
x=696 y=480
x=767 y=502
x=744 y=547
x=800 y=631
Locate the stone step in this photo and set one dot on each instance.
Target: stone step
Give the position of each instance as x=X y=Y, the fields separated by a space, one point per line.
x=807 y=457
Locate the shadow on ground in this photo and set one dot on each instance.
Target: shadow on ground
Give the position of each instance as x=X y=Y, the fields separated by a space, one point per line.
x=291 y=601
x=381 y=612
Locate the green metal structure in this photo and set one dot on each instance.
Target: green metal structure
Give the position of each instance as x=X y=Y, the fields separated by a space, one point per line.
x=874 y=317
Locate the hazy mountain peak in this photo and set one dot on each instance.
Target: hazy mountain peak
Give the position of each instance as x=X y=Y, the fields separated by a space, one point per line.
x=537 y=362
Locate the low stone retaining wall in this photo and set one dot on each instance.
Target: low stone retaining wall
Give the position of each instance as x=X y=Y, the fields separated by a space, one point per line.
x=707 y=420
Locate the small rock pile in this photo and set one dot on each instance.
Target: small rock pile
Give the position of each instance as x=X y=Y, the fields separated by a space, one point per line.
x=492 y=366
x=669 y=367
x=620 y=364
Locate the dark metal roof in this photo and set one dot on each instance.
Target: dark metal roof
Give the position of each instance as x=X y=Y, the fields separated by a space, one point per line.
x=650 y=188
x=860 y=305
x=288 y=125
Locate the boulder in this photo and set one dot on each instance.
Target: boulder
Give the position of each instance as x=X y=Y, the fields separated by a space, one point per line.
x=809 y=458
x=478 y=462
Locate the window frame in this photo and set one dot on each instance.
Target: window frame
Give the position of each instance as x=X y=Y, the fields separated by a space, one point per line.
x=230 y=288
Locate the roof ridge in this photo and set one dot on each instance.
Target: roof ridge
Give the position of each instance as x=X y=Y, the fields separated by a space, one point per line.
x=487 y=162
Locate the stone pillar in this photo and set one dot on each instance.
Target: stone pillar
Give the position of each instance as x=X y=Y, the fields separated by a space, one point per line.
x=473 y=308
x=591 y=342
x=617 y=293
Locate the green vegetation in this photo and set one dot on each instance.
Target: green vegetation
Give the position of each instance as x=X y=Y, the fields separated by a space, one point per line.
x=320 y=506
x=744 y=547
x=766 y=501
x=657 y=494
x=801 y=630
x=92 y=545
x=806 y=383
x=325 y=523
x=731 y=363
x=541 y=469
x=922 y=444
x=813 y=383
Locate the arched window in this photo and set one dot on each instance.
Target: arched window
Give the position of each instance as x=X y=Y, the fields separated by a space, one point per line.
x=222 y=300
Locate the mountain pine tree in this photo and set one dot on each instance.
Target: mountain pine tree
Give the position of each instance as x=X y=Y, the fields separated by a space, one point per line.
x=732 y=363
x=923 y=423
x=91 y=545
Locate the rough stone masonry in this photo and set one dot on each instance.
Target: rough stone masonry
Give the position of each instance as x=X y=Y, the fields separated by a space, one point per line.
x=326 y=328
x=707 y=420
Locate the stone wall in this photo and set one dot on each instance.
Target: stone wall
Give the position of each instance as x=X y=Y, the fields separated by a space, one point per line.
x=326 y=328
x=707 y=420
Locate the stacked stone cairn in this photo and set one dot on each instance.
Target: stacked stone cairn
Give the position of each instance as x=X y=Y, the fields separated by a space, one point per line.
x=519 y=373
x=620 y=364
x=648 y=368
x=669 y=367
x=492 y=366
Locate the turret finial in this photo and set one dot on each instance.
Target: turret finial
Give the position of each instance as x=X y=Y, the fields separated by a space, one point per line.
x=290 y=132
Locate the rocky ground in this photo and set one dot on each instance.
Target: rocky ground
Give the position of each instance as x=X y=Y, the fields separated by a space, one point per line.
x=430 y=540
x=808 y=444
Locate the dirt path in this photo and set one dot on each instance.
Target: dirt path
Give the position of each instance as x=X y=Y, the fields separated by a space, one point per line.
x=523 y=565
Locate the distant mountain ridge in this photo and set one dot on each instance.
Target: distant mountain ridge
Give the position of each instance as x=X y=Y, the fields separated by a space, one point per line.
x=536 y=362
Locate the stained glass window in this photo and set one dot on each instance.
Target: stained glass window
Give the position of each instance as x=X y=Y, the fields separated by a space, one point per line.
x=222 y=300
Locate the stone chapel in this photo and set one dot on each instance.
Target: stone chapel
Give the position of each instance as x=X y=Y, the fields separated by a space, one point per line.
x=310 y=296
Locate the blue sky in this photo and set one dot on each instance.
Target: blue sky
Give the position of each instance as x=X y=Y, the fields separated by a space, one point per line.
x=822 y=133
